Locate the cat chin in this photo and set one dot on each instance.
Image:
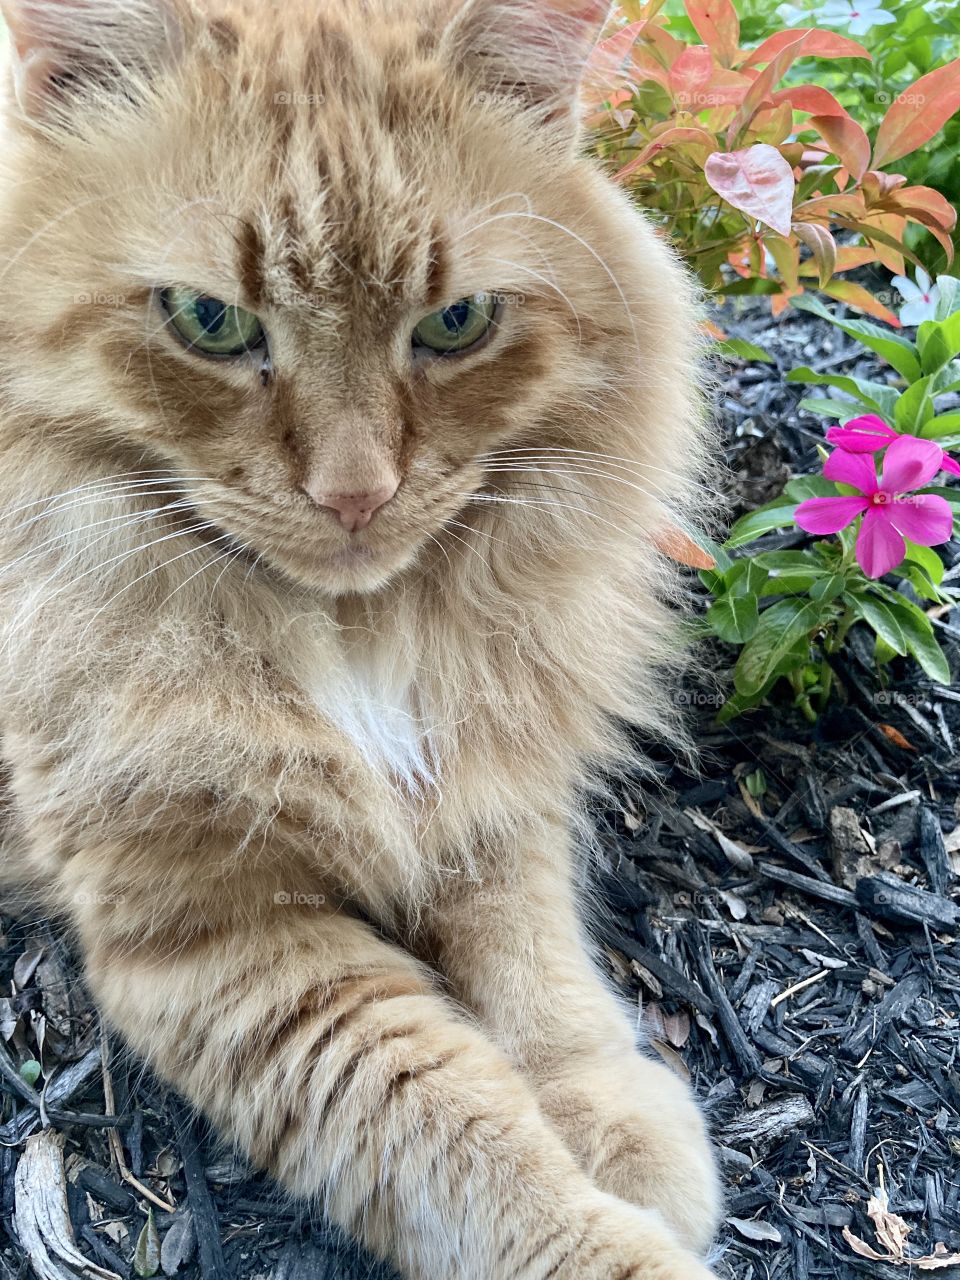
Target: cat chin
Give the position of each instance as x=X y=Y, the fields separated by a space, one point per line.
x=350 y=571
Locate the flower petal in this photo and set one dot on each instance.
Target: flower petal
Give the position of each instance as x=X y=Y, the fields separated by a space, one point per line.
x=866 y=434
x=924 y=518
x=858 y=469
x=828 y=515
x=910 y=463
x=880 y=547
x=950 y=464
x=923 y=280
x=907 y=290
x=915 y=312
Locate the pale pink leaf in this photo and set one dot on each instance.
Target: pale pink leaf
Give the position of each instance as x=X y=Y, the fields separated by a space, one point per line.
x=758 y=181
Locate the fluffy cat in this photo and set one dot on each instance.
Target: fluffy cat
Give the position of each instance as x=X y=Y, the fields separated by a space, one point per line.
x=341 y=402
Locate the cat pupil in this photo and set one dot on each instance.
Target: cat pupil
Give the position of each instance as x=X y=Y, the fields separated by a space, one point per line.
x=211 y=313
x=456 y=317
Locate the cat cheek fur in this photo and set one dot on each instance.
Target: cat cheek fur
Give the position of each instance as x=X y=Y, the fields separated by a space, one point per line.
x=226 y=763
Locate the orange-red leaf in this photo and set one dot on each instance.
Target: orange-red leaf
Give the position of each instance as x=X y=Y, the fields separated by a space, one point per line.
x=880 y=229
x=689 y=74
x=761 y=90
x=679 y=546
x=608 y=58
x=921 y=201
x=846 y=140
x=823 y=247
x=898 y=740
x=672 y=137
x=854 y=295
x=812 y=99
x=917 y=114
x=718 y=26
x=757 y=181
x=818 y=44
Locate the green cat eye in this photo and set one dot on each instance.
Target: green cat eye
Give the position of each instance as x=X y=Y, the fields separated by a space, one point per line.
x=206 y=324
x=457 y=327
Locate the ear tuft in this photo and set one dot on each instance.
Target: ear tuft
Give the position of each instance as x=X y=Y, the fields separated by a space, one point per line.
x=534 y=50
x=64 y=49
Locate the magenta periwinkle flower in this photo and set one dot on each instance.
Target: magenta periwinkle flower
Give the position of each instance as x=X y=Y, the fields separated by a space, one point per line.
x=889 y=505
x=870 y=434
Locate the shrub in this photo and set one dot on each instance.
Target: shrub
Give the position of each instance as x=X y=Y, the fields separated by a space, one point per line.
x=754 y=175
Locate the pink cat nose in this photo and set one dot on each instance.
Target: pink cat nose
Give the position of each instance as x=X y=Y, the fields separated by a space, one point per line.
x=356 y=510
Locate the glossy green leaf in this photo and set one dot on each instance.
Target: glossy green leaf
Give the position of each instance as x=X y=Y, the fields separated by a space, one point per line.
x=734 y=618
x=880 y=616
x=775 y=642
x=740 y=349
x=921 y=642
x=755 y=524
x=914 y=409
x=939 y=342
x=898 y=352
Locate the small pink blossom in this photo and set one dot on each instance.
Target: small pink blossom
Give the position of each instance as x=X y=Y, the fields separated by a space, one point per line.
x=870 y=434
x=890 y=507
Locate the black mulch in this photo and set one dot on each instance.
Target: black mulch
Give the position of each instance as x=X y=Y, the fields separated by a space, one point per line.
x=785 y=923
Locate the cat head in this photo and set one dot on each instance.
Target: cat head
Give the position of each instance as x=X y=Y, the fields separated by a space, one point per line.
x=326 y=263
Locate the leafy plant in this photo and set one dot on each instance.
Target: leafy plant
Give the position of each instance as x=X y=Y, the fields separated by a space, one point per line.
x=791 y=610
x=754 y=174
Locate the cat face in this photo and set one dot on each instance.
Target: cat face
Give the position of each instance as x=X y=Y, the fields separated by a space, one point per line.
x=319 y=273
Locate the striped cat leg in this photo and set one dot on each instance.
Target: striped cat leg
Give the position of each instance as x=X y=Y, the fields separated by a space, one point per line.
x=328 y=1056
x=514 y=951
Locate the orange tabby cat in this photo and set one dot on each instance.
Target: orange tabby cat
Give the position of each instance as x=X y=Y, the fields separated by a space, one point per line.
x=341 y=400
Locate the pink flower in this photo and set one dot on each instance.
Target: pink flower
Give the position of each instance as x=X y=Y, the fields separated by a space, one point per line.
x=870 y=434
x=890 y=508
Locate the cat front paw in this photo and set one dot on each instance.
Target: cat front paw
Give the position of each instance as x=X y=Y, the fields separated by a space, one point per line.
x=624 y=1243
x=639 y=1134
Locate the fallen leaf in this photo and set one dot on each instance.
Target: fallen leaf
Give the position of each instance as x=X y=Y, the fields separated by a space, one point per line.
x=756 y=1229
x=896 y=737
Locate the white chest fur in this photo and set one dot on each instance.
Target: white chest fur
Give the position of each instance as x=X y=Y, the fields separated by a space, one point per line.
x=372 y=697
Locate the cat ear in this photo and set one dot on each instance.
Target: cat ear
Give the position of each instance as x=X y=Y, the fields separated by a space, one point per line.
x=535 y=50
x=59 y=48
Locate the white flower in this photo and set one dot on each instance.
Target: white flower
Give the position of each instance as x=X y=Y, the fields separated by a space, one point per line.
x=792 y=16
x=858 y=16
x=920 y=299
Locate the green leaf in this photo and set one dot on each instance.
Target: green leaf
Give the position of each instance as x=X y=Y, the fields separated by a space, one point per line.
x=828 y=588
x=843 y=410
x=774 y=647
x=939 y=342
x=802 y=487
x=753 y=525
x=921 y=642
x=914 y=409
x=898 y=352
x=790 y=572
x=30 y=1071
x=752 y=286
x=882 y=653
x=944 y=425
x=146 y=1256
x=737 y=704
x=948 y=288
x=859 y=388
x=740 y=349
x=734 y=618
x=921 y=583
x=881 y=617
x=928 y=560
